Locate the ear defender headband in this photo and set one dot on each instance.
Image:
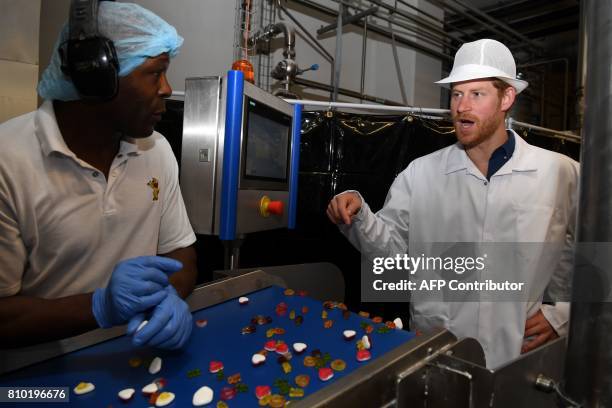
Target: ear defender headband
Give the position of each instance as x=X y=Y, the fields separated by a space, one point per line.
x=89 y=59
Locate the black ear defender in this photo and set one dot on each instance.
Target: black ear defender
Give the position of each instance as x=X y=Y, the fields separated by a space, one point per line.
x=89 y=59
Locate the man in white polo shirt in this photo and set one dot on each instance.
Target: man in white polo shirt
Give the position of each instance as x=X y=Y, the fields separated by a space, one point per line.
x=489 y=187
x=89 y=197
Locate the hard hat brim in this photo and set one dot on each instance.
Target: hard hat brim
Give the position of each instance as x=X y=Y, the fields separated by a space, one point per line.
x=473 y=71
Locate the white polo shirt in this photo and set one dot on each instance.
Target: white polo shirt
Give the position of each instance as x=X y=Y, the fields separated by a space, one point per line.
x=63 y=226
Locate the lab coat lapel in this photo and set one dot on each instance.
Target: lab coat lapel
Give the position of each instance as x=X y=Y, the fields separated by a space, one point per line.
x=522 y=159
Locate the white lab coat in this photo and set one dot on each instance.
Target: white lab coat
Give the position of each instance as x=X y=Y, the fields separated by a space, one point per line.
x=443 y=197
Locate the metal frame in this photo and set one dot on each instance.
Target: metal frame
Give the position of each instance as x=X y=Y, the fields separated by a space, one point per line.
x=267 y=16
x=372 y=385
x=363 y=106
x=511 y=123
x=458 y=378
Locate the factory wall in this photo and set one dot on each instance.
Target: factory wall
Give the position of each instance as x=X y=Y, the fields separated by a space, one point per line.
x=18 y=56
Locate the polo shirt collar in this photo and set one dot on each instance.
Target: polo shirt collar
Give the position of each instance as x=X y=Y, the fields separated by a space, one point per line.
x=501 y=156
x=51 y=140
x=47 y=131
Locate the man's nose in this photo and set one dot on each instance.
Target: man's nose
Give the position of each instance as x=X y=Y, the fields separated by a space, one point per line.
x=165 y=90
x=463 y=105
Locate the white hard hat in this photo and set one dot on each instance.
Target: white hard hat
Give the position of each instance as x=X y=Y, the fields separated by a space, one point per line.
x=484 y=59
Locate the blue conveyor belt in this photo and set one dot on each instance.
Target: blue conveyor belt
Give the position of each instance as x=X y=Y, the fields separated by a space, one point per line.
x=106 y=364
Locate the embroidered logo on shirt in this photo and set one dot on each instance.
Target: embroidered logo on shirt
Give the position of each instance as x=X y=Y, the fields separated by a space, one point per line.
x=154 y=184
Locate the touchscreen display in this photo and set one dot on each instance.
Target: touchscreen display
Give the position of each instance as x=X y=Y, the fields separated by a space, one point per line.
x=267 y=144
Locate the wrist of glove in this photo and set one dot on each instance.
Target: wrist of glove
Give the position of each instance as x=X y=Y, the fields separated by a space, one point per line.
x=101 y=310
x=169 y=326
x=136 y=285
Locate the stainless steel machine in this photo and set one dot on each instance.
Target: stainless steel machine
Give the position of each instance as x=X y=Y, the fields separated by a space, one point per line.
x=239 y=159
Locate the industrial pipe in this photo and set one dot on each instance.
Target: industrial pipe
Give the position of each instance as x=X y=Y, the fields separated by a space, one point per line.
x=379 y=30
x=588 y=368
x=364 y=49
x=271 y=31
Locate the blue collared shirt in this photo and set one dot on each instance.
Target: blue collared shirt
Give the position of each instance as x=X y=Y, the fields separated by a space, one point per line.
x=500 y=156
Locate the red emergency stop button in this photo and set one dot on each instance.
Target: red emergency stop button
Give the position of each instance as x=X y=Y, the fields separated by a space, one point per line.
x=267 y=207
x=275 y=207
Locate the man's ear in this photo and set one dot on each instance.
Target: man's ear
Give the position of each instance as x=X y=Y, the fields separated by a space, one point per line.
x=507 y=100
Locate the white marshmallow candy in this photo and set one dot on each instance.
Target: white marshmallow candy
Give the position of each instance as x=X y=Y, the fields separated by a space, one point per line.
x=150 y=388
x=258 y=359
x=155 y=365
x=204 y=395
x=126 y=394
x=243 y=300
x=398 y=323
x=299 y=347
x=365 y=340
x=164 y=399
x=349 y=334
x=84 y=388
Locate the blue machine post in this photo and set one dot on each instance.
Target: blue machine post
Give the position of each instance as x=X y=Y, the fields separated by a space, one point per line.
x=295 y=164
x=231 y=155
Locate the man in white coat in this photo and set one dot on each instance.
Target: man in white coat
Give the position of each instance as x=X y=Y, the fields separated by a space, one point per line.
x=489 y=187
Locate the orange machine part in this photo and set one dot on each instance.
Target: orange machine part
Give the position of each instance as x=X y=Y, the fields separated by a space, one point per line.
x=247 y=69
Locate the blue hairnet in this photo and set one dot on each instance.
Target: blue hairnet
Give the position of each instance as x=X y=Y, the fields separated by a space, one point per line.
x=137 y=33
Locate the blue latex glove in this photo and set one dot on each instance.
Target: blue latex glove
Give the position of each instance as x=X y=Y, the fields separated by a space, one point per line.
x=136 y=285
x=169 y=326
